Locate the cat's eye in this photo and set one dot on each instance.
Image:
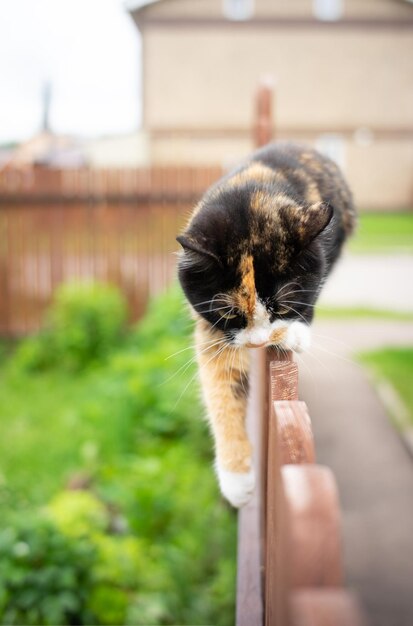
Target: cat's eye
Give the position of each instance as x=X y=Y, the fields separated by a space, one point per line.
x=230 y=315
x=283 y=310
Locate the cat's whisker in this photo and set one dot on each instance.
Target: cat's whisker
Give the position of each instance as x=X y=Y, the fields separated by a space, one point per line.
x=209 y=341
x=342 y=343
x=339 y=356
x=296 y=302
x=221 y=308
x=284 y=351
x=289 y=284
x=196 y=373
x=223 y=296
x=297 y=313
x=299 y=291
x=188 y=363
x=184 y=367
x=217 y=322
x=302 y=363
x=179 y=352
x=313 y=356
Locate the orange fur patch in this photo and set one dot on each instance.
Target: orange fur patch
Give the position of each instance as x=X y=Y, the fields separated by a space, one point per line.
x=278 y=335
x=221 y=369
x=246 y=293
x=258 y=172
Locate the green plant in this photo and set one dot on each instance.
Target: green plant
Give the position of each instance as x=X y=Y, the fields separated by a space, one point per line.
x=77 y=513
x=86 y=321
x=384 y=233
x=162 y=540
x=395 y=366
x=84 y=324
x=44 y=576
x=120 y=557
x=35 y=354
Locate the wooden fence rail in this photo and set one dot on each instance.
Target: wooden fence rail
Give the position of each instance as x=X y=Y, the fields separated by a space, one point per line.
x=34 y=184
x=289 y=552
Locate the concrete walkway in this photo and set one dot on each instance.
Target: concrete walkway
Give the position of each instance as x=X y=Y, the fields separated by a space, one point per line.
x=373 y=469
x=374 y=281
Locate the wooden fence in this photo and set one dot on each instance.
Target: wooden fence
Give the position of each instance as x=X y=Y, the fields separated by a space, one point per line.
x=117 y=226
x=289 y=553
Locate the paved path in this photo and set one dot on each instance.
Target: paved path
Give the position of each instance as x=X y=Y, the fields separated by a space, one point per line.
x=383 y=282
x=373 y=469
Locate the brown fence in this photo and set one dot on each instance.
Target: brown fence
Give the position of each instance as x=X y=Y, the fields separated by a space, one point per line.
x=117 y=226
x=128 y=185
x=289 y=547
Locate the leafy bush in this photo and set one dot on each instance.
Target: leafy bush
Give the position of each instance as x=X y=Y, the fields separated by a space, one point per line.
x=163 y=540
x=86 y=321
x=84 y=324
x=120 y=557
x=37 y=353
x=44 y=576
x=77 y=513
x=69 y=569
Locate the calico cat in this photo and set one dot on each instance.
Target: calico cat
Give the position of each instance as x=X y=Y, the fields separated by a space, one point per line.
x=255 y=254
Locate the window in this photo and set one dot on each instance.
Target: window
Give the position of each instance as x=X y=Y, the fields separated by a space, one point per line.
x=238 y=9
x=328 y=10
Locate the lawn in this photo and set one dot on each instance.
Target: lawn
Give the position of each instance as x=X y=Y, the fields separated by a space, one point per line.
x=341 y=313
x=395 y=366
x=383 y=233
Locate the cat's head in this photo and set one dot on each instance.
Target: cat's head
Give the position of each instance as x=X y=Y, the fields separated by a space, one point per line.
x=251 y=268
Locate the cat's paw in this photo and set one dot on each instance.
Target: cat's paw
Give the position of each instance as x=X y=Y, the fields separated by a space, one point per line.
x=236 y=487
x=298 y=337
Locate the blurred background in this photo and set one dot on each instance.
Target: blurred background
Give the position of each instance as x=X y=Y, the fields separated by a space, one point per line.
x=114 y=118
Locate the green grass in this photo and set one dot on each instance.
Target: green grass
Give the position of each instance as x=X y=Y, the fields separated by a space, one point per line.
x=383 y=233
x=49 y=420
x=394 y=365
x=338 y=313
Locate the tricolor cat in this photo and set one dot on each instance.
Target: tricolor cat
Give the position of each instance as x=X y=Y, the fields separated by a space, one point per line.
x=256 y=253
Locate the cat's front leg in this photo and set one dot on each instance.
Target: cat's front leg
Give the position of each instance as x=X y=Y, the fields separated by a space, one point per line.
x=224 y=377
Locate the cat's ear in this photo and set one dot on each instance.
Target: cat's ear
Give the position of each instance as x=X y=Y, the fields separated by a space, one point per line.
x=312 y=221
x=194 y=248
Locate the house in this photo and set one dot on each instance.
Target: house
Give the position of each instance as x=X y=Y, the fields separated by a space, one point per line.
x=130 y=150
x=343 y=75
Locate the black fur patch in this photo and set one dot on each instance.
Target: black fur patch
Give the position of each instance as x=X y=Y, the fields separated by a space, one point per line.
x=293 y=242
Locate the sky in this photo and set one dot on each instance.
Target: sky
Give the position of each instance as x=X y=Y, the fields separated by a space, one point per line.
x=89 y=50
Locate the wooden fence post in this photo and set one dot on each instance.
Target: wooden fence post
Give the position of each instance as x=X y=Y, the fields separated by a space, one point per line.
x=263 y=127
x=282 y=376
x=250 y=569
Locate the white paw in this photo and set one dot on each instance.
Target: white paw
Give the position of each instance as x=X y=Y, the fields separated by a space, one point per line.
x=298 y=337
x=236 y=487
